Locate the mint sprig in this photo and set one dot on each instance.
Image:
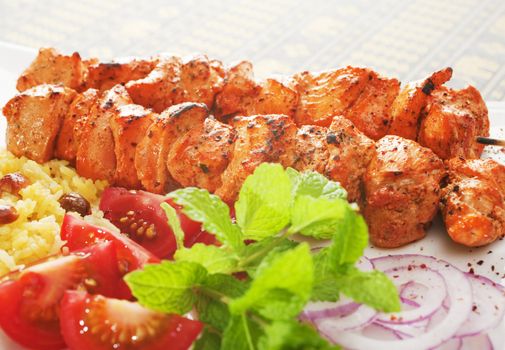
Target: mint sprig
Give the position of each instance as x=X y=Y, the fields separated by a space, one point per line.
x=277 y=276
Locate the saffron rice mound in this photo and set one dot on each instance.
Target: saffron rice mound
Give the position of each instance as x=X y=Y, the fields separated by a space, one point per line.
x=36 y=232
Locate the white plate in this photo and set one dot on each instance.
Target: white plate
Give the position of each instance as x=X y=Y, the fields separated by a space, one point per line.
x=13 y=59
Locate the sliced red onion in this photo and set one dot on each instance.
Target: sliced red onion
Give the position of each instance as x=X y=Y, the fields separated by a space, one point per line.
x=378 y=331
x=429 y=303
x=411 y=293
x=460 y=299
x=360 y=318
x=477 y=342
x=324 y=309
x=407 y=330
x=451 y=344
x=488 y=306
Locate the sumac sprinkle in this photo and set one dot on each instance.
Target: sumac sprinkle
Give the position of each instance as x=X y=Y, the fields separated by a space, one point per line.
x=8 y=214
x=13 y=183
x=75 y=202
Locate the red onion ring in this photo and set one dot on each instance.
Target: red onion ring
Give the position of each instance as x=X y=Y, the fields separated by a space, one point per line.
x=360 y=318
x=433 y=300
x=459 y=295
x=488 y=306
x=477 y=342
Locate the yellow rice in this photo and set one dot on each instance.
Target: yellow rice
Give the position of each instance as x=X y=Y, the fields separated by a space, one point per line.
x=35 y=234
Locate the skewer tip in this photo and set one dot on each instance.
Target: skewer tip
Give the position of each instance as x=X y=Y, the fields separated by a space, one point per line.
x=490 y=141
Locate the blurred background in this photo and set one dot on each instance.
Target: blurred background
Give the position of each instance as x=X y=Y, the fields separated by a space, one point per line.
x=405 y=39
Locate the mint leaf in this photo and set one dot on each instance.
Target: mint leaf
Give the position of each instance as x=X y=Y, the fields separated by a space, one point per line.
x=325 y=288
x=241 y=333
x=225 y=285
x=166 y=287
x=210 y=305
x=212 y=312
x=208 y=340
x=214 y=259
x=263 y=206
x=282 y=285
x=349 y=241
x=174 y=223
x=292 y=335
x=252 y=254
x=320 y=217
x=211 y=211
x=313 y=184
x=372 y=288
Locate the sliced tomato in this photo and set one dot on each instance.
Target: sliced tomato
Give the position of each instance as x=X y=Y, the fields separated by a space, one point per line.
x=30 y=298
x=80 y=234
x=103 y=274
x=94 y=323
x=139 y=215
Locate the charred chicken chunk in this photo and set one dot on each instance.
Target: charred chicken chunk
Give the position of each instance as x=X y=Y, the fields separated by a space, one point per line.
x=324 y=95
x=409 y=104
x=340 y=152
x=371 y=113
x=34 y=118
x=473 y=203
x=175 y=81
x=152 y=151
x=95 y=153
x=402 y=189
x=200 y=156
x=69 y=136
x=350 y=153
x=103 y=76
x=242 y=95
x=260 y=138
x=128 y=124
x=454 y=120
x=51 y=67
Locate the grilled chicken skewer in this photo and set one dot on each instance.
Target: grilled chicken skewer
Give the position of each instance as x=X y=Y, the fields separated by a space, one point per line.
x=108 y=136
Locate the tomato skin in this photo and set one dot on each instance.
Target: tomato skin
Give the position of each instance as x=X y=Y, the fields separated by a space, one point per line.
x=103 y=268
x=80 y=234
x=126 y=208
x=179 y=335
x=29 y=298
x=25 y=333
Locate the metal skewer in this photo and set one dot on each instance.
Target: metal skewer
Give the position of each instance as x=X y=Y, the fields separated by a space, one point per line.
x=490 y=141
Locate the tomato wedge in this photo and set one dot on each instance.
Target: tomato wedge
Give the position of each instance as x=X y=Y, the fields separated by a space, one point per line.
x=139 y=215
x=80 y=234
x=95 y=323
x=30 y=298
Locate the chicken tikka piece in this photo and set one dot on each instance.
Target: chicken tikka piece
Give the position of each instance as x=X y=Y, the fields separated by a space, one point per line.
x=151 y=153
x=104 y=75
x=340 y=152
x=402 y=191
x=52 y=67
x=242 y=95
x=371 y=112
x=96 y=158
x=259 y=138
x=411 y=101
x=34 y=118
x=330 y=93
x=129 y=124
x=473 y=203
x=200 y=157
x=70 y=132
x=175 y=80
x=453 y=121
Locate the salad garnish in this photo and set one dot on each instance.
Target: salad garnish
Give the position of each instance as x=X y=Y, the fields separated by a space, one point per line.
x=251 y=288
